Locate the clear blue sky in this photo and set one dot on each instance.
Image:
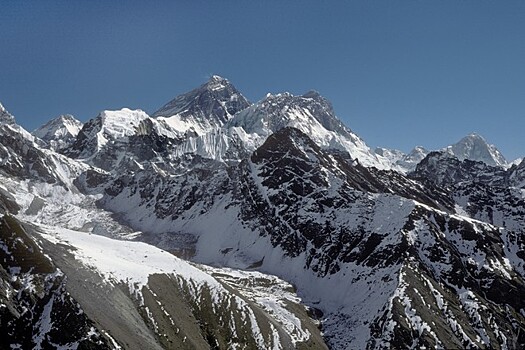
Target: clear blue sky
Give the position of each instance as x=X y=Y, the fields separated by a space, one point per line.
x=399 y=73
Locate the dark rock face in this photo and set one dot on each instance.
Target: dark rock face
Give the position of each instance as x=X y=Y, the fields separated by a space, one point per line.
x=85 y=143
x=486 y=193
x=323 y=111
x=8 y=203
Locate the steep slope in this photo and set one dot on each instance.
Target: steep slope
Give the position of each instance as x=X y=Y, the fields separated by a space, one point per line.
x=68 y=288
x=177 y=305
x=190 y=123
x=447 y=171
x=59 y=133
x=487 y=193
x=22 y=157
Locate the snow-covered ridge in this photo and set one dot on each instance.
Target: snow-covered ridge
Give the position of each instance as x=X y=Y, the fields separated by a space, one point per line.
x=400 y=161
x=472 y=147
x=120 y=123
x=215 y=121
x=135 y=263
x=108 y=136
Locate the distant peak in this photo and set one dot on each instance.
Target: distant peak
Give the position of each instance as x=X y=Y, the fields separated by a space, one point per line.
x=475 y=147
x=63 y=118
x=419 y=150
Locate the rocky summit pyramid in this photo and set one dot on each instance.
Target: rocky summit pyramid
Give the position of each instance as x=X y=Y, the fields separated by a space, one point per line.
x=474 y=147
x=204 y=108
x=220 y=223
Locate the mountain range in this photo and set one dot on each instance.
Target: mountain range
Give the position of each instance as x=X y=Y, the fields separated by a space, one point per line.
x=216 y=222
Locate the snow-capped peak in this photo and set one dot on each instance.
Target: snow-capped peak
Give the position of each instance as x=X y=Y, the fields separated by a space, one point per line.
x=205 y=108
x=61 y=130
x=474 y=147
